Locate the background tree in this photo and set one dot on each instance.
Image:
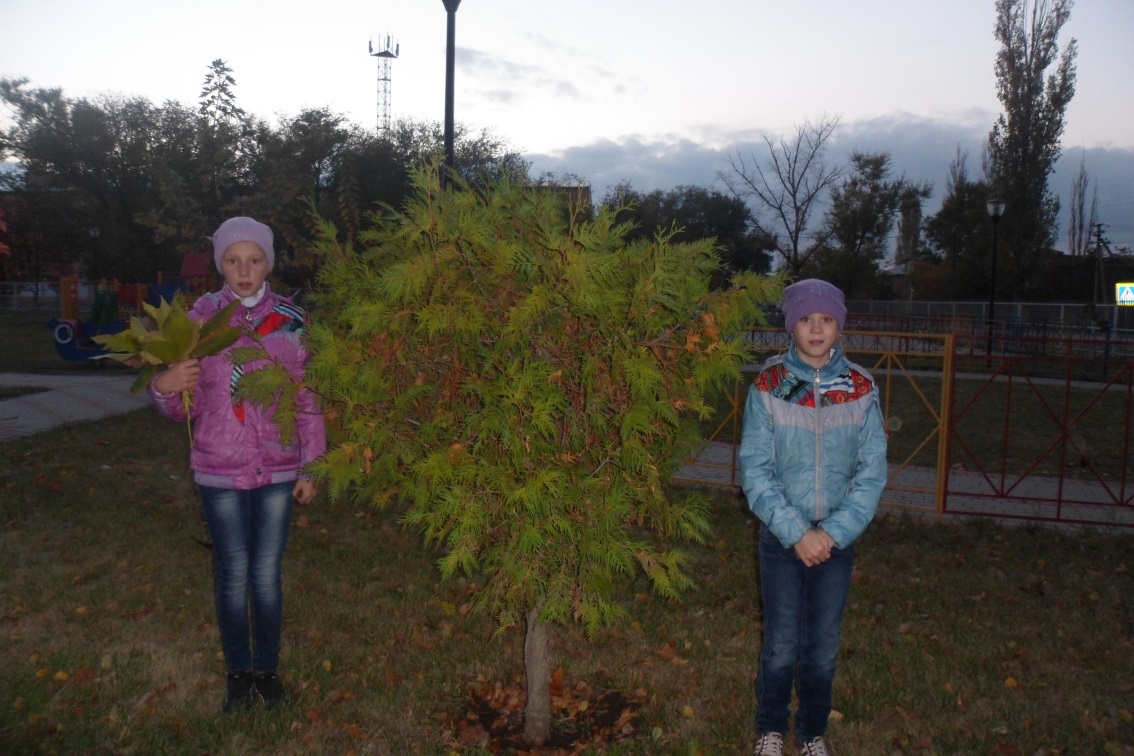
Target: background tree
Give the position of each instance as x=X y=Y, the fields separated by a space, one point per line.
x=84 y=164
x=225 y=141
x=526 y=381
x=959 y=235
x=694 y=212
x=479 y=157
x=1081 y=222
x=217 y=99
x=787 y=187
x=5 y=250
x=156 y=181
x=1025 y=141
x=910 y=245
x=857 y=227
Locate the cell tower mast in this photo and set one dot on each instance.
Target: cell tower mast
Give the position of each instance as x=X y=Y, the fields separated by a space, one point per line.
x=384 y=54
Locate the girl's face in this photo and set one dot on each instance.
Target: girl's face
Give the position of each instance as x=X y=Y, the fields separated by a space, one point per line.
x=245 y=267
x=815 y=336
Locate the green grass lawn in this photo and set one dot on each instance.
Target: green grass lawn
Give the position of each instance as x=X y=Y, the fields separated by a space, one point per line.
x=959 y=639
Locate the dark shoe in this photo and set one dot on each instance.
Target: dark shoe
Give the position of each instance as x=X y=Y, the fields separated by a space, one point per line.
x=271 y=690
x=239 y=695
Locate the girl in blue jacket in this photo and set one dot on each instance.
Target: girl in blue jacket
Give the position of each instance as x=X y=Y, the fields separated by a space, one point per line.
x=247 y=478
x=813 y=467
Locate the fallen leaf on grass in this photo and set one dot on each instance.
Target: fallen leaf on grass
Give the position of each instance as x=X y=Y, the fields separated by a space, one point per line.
x=337 y=695
x=493 y=716
x=143 y=612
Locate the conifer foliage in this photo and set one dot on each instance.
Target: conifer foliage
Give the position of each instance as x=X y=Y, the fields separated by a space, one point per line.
x=526 y=382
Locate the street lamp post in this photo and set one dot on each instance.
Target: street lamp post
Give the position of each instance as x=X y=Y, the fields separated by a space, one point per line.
x=450 y=66
x=995 y=212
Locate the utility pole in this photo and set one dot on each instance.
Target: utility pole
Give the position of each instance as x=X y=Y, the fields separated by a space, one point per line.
x=1100 y=244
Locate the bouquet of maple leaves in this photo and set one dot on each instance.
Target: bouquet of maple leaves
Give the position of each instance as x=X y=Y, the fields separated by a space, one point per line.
x=169 y=336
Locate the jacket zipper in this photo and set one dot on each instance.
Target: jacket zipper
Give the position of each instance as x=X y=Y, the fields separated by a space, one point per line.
x=818 y=451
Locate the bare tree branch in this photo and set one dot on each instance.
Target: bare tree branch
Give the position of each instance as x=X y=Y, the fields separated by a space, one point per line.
x=788 y=185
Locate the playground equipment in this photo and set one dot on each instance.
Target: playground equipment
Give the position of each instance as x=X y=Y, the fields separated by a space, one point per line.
x=113 y=305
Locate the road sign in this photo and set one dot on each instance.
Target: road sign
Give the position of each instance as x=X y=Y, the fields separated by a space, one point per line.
x=1124 y=294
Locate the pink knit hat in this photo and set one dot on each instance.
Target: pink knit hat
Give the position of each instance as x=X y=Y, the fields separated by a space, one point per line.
x=810 y=296
x=241 y=229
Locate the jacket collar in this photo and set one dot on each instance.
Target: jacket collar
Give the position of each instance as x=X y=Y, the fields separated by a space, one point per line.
x=835 y=366
x=257 y=311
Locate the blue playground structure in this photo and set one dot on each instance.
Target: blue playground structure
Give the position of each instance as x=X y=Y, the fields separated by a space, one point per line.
x=114 y=303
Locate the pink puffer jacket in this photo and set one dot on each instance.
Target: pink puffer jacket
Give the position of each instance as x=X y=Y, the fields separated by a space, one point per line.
x=230 y=452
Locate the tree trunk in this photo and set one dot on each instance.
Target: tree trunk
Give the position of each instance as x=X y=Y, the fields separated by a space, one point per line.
x=537 y=669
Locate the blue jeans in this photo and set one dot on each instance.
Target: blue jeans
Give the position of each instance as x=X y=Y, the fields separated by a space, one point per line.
x=803 y=612
x=249 y=531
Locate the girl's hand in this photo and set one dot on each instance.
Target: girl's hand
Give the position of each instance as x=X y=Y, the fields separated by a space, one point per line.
x=178 y=377
x=304 y=491
x=815 y=547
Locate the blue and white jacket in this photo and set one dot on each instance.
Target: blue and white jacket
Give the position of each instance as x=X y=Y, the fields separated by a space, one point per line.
x=813 y=450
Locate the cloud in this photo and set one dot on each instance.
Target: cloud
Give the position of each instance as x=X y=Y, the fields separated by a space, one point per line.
x=480 y=63
x=509 y=79
x=922 y=149
x=646 y=165
x=501 y=96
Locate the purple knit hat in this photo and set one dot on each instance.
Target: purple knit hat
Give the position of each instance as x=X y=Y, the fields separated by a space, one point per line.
x=810 y=296
x=241 y=229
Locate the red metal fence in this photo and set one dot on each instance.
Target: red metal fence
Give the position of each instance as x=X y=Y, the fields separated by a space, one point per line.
x=1022 y=427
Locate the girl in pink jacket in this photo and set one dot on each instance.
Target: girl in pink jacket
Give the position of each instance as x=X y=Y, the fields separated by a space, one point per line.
x=248 y=480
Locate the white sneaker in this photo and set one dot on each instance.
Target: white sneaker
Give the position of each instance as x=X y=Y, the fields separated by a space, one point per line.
x=769 y=744
x=815 y=747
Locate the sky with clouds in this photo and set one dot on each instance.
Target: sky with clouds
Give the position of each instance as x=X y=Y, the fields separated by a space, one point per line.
x=655 y=93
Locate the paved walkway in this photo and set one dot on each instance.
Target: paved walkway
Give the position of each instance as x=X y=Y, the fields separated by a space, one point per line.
x=66 y=399
x=1034 y=498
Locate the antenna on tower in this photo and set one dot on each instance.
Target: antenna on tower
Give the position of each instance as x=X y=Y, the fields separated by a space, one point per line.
x=384 y=54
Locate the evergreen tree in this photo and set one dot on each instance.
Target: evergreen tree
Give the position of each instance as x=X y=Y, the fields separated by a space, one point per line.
x=527 y=382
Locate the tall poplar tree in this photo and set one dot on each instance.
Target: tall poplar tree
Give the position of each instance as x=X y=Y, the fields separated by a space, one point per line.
x=1025 y=141
x=527 y=382
x=1081 y=223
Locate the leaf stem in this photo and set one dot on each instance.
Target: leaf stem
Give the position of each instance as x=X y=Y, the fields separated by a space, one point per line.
x=187 y=404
